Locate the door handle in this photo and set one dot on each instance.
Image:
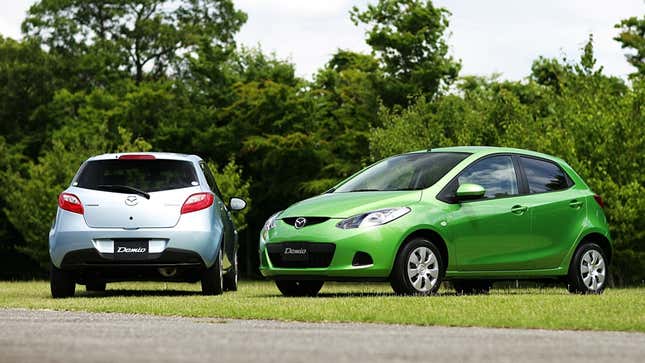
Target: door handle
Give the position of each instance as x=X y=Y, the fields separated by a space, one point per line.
x=575 y=204
x=519 y=209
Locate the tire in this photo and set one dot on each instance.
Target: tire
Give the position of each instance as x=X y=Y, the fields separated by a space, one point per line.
x=299 y=288
x=418 y=268
x=588 y=272
x=61 y=282
x=471 y=287
x=230 y=278
x=213 y=279
x=95 y=286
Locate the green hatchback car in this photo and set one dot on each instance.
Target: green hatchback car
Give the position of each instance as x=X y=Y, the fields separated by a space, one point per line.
x=471 y=215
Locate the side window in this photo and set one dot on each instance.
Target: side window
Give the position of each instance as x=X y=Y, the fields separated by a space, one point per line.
x=210 y=179
x=544 y=176
x=496 y=174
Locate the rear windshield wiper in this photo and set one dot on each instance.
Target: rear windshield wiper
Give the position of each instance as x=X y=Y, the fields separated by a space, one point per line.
x=123 y=189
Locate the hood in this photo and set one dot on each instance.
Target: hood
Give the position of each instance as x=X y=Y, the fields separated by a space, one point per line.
x=343 y=205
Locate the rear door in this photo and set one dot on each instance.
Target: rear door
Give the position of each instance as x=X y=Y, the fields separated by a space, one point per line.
x=557 y=210
x=102 y=186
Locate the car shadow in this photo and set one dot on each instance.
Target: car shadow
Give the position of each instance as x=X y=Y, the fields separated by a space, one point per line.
x=136 y=293
x=341 y=295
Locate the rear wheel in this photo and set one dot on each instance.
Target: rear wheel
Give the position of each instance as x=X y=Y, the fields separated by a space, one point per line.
x=418 y=268
x=61 y=282
x=230 y=279
x=213 y=279
x=299 y=288
x=588 y=270
x=96 y=286
x=471 y=287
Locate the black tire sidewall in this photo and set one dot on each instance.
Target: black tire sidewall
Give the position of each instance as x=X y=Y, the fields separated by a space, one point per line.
x=231 y=277
x=399 y=278
x=576 y=285
x=213 y=277
x=62 y=283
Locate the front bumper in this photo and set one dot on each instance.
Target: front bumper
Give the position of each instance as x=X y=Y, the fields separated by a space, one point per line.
x=195 y=232
x=381 y=243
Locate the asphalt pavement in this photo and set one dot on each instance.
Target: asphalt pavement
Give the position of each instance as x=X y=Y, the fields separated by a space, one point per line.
x=50 y=336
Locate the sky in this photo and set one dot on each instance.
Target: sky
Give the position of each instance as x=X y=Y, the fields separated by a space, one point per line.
x=492 y=36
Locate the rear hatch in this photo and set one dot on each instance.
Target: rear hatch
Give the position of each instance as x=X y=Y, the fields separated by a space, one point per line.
x=139 y=193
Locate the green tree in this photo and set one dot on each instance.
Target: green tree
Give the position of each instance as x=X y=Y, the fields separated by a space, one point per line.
x=409 y=38
x=27 y=82
x=232 y=184
x=632 y=36
x=145 y=38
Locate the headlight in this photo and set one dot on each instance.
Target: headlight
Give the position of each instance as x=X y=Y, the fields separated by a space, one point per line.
x=373 y=218
x=270 y=223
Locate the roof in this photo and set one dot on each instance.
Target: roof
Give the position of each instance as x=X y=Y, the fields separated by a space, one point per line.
x=158 y=155
x=484 y=150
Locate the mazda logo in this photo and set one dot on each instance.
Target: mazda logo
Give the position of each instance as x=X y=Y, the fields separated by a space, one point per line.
x=300 y=222
x=131 y=200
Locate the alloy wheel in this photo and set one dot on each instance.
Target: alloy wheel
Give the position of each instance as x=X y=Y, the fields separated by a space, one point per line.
x=423 y=269
x=592 y=270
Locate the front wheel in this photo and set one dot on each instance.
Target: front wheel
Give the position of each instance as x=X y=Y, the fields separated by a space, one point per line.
x=299 y=288
x=212 y=278
x=588 y=270
x=418 y=269
x=61 y=282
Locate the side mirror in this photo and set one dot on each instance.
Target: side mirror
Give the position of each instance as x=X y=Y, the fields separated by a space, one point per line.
x=237 y=204
x=470 y=192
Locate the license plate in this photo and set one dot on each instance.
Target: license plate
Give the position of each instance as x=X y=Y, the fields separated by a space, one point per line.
x=295 y=254
x=130 y=250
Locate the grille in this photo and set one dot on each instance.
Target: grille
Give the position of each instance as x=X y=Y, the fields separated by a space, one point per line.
x=310 y=220
x=318 y=254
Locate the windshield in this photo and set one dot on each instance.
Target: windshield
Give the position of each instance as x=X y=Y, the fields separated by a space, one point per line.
x=130 y=176
x=404 y=172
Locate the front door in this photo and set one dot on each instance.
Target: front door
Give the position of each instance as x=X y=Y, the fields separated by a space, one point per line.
x=491 y=233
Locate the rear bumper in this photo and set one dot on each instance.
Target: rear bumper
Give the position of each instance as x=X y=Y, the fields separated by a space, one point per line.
x=91 y=265
x=194 y=233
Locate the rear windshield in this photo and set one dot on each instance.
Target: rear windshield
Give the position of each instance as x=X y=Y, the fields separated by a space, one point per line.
x=145 y=175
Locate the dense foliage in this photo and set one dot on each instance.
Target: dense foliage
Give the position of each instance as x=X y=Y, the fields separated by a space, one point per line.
x=126 y=75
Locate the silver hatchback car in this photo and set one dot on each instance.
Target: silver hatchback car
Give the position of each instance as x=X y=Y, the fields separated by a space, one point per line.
x=143 y=216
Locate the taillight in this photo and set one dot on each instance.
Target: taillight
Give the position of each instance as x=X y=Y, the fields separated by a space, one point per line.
x=197 y=202
x=599 y=200
x=137 y=157
x=70 y=202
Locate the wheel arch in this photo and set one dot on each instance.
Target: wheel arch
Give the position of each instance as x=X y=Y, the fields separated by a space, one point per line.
x=599 y=239
x=431 y=235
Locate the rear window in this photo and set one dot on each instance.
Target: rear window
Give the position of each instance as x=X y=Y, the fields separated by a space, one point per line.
x=146 y=175
x=544 y=176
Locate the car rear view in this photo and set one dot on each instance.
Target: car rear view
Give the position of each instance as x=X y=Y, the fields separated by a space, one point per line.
x=155 y=216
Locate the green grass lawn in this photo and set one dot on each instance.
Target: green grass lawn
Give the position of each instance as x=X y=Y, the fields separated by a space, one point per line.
x=548 y=308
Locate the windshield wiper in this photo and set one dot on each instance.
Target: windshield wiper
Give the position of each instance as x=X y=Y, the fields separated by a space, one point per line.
x=365 y=190
x=123 y=189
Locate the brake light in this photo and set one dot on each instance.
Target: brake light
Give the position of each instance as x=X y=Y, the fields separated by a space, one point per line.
x=70 y=202
x=599 y=200
x=137 y=157
x=197 y=202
